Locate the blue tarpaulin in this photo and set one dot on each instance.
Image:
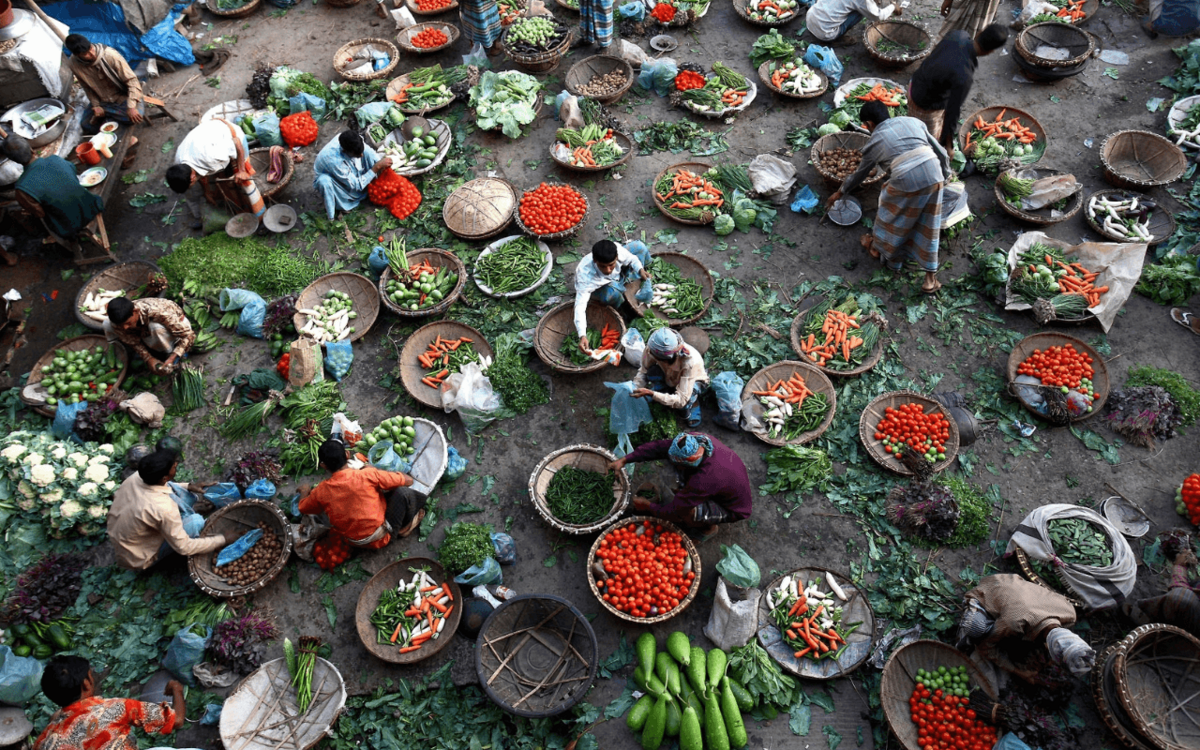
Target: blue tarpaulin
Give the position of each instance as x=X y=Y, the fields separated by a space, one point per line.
x=104 y=22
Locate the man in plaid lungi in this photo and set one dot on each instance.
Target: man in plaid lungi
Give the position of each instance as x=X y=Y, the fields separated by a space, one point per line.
x=596 y=22
x=480 y=21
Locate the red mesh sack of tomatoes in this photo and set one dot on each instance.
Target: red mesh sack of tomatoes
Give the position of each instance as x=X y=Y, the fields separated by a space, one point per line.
x=548 y=209
x=384 y=187
x=299 y=129
x=910 y=427
x=331 y=551
x=648 y=571
x=1187 y=499
x=407 y=199
x=689 y=79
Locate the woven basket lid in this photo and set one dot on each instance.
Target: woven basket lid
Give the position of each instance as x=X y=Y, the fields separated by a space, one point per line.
x=479 y=207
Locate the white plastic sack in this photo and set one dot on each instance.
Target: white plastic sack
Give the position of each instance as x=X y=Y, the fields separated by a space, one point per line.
x=1049 y=190
x=145 y=408
x=346 y=430
x=571 y=115
x=630 y=53
x=772 y=177
x=634 y=345
x=732 y=624
x=305 y=535
x=403 y=18
x=470 y=393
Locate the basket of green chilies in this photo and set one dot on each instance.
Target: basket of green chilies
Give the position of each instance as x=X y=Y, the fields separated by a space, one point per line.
x=683 y=289
x=816 y=328
x=575 y=492
x=513 y=266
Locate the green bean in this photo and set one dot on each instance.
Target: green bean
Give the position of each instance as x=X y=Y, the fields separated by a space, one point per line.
x=577 y=496
x=808 y=416
x=512 y=267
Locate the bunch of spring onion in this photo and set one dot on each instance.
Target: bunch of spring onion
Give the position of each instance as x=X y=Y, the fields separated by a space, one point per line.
x=187 y=389
x=1014 y=187
x=301 y=664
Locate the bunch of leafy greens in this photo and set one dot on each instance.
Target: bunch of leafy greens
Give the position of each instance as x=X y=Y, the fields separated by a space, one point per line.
x=796 y=468
x=520 y=388
x=1186 y=397
x=1185 y=81
x=771 y=46
x=975 y=511
x=347 y=97
x=683 y=135
x=206 y=265
x=1172 y=281
x=465 y=545
x=754 y=668
x=506 y=100
x=46 y=589
x=286 y=82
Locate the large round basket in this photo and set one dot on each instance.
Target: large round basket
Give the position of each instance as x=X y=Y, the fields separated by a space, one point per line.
x=897 y=44
x=1177 y=114
x=1153 y=671
x=416 y=10
x=1042 y=217
x=546 y=271
x=693 y=554
x=1078 y=43
x=1108 y=702
x=262 y=714
x=743 y=10
x=900 y=677
x=363 y=293
x=989 y=114
x=871 y=360
x=77 y=344
x=236 y=519
x=842 y=91
x=586 y=458
x=126 y=277
x=627 y=147
x=393 y=91
x=536 y=655
x=541 y=62
x=553 y=236
x=260 y=159
x=341 y=3
x=764 y=74
x=689 y=268
x=814 y=380
x=348 y=50
x=436 y=258
x=411 y=371
x=1038 y=341
x=847 y=140
x=558 y=325
x=439 y=130
x=480 y=209
x=875 y=411
x=1049 y=75
x=694 y=167
x=239 y=12
x=582 y=72
x=1162 y=223
x=388 y=578
x=856 y=608
x=404 y=38
x=716 y=114
x=1138 y=160
x=568 y=6
x=1026 y=565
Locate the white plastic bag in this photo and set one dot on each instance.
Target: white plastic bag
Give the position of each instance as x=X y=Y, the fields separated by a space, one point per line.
x=772 y=177
x=732 y=624
x=1033 y=8
x=1067 y=648
x=630 y=53
x=403 y=18
x=346 y=430
x=634 y=346
x=470 y=393
x=571 y=115
x=1048 y=190
x=477 y=57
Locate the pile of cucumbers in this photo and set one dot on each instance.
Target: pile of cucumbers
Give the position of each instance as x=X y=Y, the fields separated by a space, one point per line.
x=424 y=291
x=85 y=375
x=400 y=430
x=687 y=695
x=41 y=640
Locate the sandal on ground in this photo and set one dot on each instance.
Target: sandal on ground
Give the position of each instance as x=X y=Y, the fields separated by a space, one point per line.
x=1186 y=319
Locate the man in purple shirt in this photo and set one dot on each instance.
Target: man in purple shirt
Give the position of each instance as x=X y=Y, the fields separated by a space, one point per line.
x=716 y=488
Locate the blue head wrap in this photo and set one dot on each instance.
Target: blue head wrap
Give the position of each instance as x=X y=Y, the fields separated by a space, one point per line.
x=691 y=444
x=664 y=343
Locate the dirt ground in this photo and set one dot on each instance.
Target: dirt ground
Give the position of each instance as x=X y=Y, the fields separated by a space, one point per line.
x=1077 y=113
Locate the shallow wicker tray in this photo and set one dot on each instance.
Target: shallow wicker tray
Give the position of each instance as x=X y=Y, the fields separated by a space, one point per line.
x=418 y=343
x=1063 y=589
x=79 y=343
x=347 y=49
x=899 y=679
x=239 y=12
x=1108 y=704
x=436 y=257
x=842 y=91
x=588 y=458
x=520 y=292
x=693 y=553
x=126 y=276
x=716 y=114
x=262 y=714
x=536 y=655
x=622 y=140
x=553 y=236
x=875 y=411
x=238 y=518
x=562 y=4
x=990 y=113
x=1138 y=159
x=439 y=130
x=480 y=209
x=695 y=167
x=1162 y=223
x=412 y=7
x=1063 y=35
x=1153 y=670
x=871 y=360
x=739 y=6
x=387 y=578
x=764 y=75
x=690 y=268
x=260 y=159
x=558 y=325
x=1041 y=217
x=362 y=291
x=542 y=62
x=1026 y=346
x=844 y=139
x=815 y=380
x=393 y=90
x=898 y=32
x=404 y=38
x=854 y=609
x=583 y=71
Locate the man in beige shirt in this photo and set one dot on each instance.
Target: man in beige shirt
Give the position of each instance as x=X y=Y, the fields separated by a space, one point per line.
x=145 y=523
x=672 y=373
x=112 y=88
x=155 y=329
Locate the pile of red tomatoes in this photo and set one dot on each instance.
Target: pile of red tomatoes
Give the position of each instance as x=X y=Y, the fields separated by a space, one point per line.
x=548 y=209
x=1058 y=366
x=649 y=572
x=909 y=426
x=945 y=723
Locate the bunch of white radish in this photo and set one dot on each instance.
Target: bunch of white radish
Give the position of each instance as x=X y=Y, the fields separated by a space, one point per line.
x=792 y=587
x=664 y=298
x=1128 y=218
x=95 y=305
x=330 y=320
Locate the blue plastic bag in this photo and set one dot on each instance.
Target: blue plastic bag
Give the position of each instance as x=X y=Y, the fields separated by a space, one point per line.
x=21 y=676
x=186 y=650
x=1010 y=741
x=266 y=129
x=260 y=489
x=805 y=201
x=372 y=112
x=658 y=76
x=222 y=494
x=212 y=715
x=243 y=545
x=728 y=389
x=558 y=102
x=307 y=102
x=626 y=414
x=480 y=575
x=824 y=59
x=253 y=307
x=338 y=357
x=183 y=498
x=645 y=293
x=384 y=457
x=456 y=465
x=378 y=260
x=64 y=418
x=506 y=548
x=635 y=11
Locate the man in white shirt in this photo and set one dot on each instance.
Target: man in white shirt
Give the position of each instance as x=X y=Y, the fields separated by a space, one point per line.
x=602 y=275
x=829 y=20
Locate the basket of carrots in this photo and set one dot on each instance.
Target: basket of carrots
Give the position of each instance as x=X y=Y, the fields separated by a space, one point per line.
x=557 y=343
x=435 y=352
x=686 y=193
x=997 y=134
x=793 y=403
x=902 y=422
x=1071 y=11
x=839 y=337
x=408 y=611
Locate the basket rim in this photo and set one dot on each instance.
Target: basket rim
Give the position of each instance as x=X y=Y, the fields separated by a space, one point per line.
x=1111 y=170
x=872 y=359
x=404 y=36
x=1042 y=62
x=553 y=55
x=412 y=7
x=364 y=608
x=1179 y=111
x=441 y=131
x=688 y=544
x=1108 y=709
x=629 y=146
x=739 y=7
x=1029 y=121
x=1098 y=365
x=338 y=696
x=544 y=354
x=409 y=354
x=238 y=12
x=35 y=372
x=890 y=675
x=289 y=164
x=413 y=110
x=93 y=284
x=1044 y=221
x=807 y=371
x=520 y=292
x=276 y=568
x=1029 y=573
x=619 y=63
x=658 y=201
x=885 y=460
x=563 y=4
x=299 y=319
x=1099 y=228
x=891 y=62
x=671 y=257
x=500 y=227
x=381 y=73
x=765 y=69
x=552 y=236
x=822 y=144
x=449 y=299
x=1120 y=672
x=543 y=508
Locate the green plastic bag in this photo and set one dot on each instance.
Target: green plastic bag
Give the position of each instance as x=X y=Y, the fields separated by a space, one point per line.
x=738 y=568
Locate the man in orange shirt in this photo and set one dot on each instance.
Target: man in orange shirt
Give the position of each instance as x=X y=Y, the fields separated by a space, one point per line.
x=364 y=505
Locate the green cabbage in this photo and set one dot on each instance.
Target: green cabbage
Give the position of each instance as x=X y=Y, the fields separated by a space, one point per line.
x=724 y=224
x=744 y=214
x=829 y=128
x=841 y=119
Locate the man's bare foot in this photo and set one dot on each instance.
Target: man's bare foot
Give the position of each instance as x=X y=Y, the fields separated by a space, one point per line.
x=931 y=285
x=9 y=258
x=867 y=242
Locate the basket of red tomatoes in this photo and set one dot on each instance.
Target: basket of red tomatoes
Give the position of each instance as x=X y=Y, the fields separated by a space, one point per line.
x=644 y=569
x=551 y=211
x=926 y=692
x=907 y=422
x=1058 y=361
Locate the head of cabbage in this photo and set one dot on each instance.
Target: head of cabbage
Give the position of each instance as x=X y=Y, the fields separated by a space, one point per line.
x=723 y=224
x=744 y=214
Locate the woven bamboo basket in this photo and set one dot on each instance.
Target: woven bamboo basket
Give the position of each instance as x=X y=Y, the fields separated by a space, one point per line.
x=536 y=655
x=1162 y=223
x=871 y=360
x=856 y=608
x=362 y=291
x=875 y=412
x=695 y=167
x=262 y=714
x=622 y=140
x=439 y=130
x=393 y=91
x=480 y=209
x=1078 y=42
x=387 y=578
x=558 y=325
x=438 y=258
x=742 y=9
x=404 y=38
x=1026 y=346
x=568 y=6
x=751 y=93
x=587 y=458
x=916 y=41
x=79 y=343
x=416 y=11
x=1048 y=75
x=546 y=271
x=553 y=236
x=689 y=268
x=1042 y=216
x=1063 y=587
x=764 y=75
x=899 y=679
x=237 y=518
x=1137 y=159
x=988 y=114
x=127 y=277
x=349 y=48
x=341 y=3
x=582 y=72
x=542 y=62
x=1108 y=703
x=814 y=379
x=418 y=343
x=688 y=545
x=239 y=12
x=260 y=159
x=844 y=139
x=1153 y=672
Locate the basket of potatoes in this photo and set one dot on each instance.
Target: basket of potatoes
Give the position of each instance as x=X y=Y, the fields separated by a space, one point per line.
x=253 y=570
x=836 y=156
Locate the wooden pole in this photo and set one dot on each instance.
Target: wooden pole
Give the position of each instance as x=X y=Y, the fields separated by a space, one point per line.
x=46 y=19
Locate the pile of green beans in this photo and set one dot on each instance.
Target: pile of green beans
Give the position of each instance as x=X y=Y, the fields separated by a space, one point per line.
x=306 y=662
x=688 y=296
x=512 y=267
x=390 y=613
x=808 y=417
x=578 y=496
x=187 y=390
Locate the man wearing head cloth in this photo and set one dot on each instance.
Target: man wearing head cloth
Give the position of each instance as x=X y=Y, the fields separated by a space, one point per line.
x=672 y=373
x=716 y=487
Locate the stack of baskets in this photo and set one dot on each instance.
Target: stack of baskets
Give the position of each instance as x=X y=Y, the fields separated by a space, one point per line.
x=913 y=43
x=480 y=209
x=1055 y=38
x=347 y=67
